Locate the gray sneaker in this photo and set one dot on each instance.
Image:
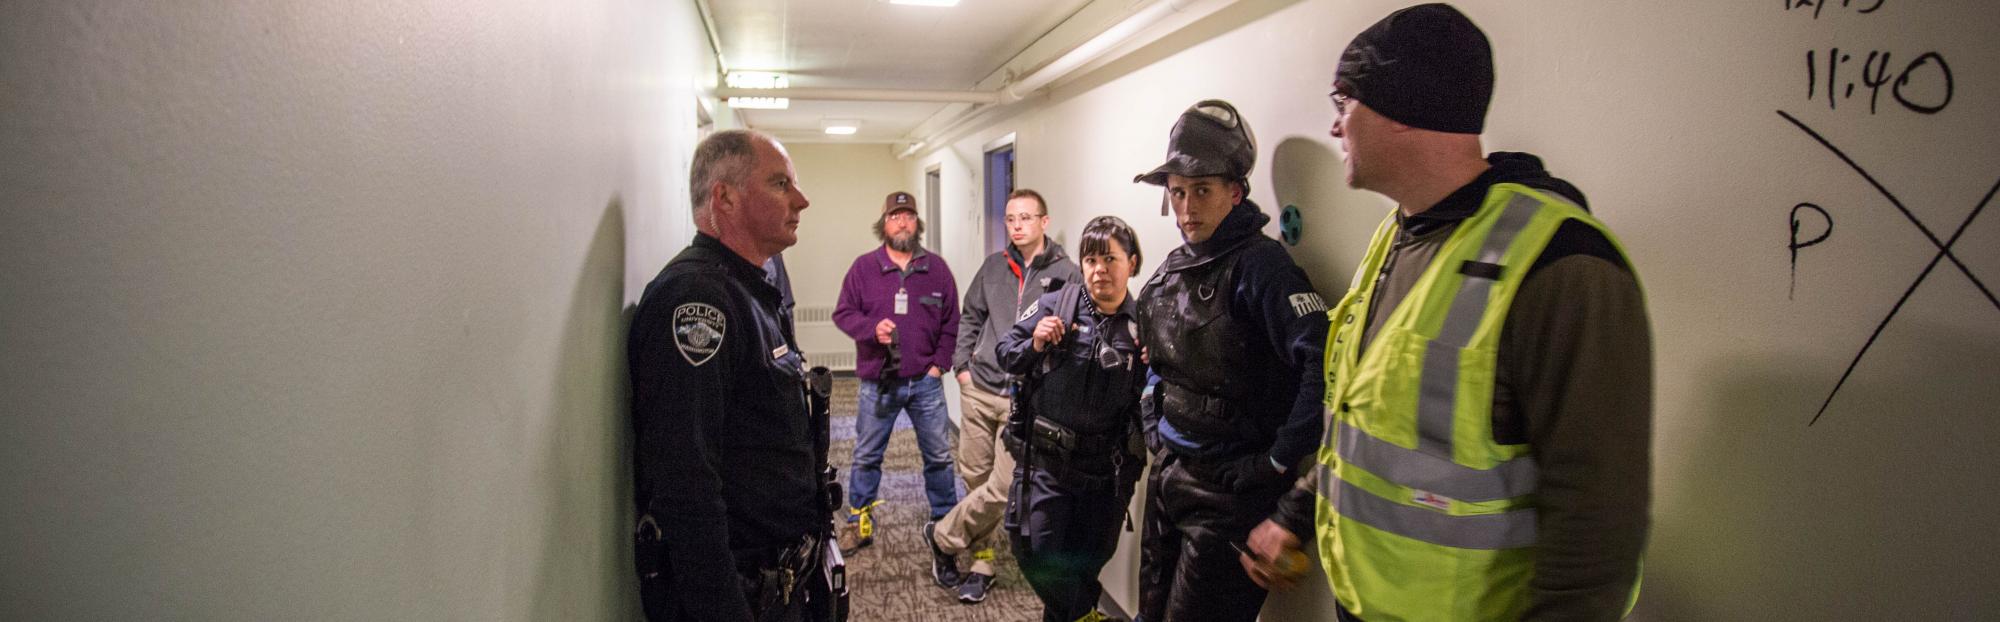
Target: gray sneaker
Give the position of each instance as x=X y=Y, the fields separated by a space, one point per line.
x=944 y=566
x=973 y=590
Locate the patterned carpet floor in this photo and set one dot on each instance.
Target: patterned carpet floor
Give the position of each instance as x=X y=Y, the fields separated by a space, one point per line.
x=891 y=580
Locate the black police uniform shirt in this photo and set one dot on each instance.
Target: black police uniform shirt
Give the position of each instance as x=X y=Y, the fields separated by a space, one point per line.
x=722 y=452
x=1094 y=388
x=1285 y=325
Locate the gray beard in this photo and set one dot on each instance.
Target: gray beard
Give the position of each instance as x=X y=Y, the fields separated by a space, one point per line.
x=906 y=243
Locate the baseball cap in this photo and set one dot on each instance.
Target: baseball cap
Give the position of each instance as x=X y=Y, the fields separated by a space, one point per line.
x=898 y=201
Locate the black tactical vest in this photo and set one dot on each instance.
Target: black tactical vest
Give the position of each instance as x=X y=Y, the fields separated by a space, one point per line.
x=1199 y=349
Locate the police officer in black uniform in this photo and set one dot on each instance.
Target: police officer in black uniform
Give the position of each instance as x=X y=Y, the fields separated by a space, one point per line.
x=1075 y=428
x=727 y=460
x=1234 y=331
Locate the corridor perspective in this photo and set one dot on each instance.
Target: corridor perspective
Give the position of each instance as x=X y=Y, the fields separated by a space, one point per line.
x=363 y=310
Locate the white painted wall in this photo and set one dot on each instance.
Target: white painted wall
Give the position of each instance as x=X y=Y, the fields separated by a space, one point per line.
x=314 y=309
x=846 y=183
x=1666 y=115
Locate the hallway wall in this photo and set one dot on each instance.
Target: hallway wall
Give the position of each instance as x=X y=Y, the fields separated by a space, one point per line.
x=314 y=309
x=846 y=182
x=1665 y=114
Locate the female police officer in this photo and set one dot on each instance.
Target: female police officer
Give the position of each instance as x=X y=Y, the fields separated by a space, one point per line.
x=1075 y=430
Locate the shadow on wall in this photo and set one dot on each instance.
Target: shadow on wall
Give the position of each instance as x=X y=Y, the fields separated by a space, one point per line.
x=586 y=569
x=1308 y=174
x=1881 y=511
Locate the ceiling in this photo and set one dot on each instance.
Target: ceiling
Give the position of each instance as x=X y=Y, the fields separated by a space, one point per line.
x=870 y=44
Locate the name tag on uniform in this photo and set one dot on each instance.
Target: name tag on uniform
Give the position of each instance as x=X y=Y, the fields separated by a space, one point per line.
x=902 y=302
x=780 y=351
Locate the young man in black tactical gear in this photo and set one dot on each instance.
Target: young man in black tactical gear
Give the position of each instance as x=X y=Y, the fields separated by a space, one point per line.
x=1234 y=331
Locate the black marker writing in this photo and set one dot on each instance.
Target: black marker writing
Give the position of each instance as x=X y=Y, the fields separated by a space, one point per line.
x=1874 y=75
x=1944 y=73
x=1820 y=5
x=1796 y=244
x=1943 y=251
x=1923 y=85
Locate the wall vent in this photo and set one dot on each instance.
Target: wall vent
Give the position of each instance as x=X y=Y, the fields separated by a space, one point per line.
x=823 y=342
x=836 y=361
x=812 y=314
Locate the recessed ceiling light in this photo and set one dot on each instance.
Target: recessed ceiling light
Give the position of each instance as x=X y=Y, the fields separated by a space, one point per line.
x=839 y=127
x=924 y=2
x=760 y=103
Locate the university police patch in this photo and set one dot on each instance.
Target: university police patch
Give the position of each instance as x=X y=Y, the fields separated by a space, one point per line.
x=698 y=330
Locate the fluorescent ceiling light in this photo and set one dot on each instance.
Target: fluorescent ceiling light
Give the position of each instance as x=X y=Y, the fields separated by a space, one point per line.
x=925 y=2
x=839 y=127
x=760 y=103
x=756 y=80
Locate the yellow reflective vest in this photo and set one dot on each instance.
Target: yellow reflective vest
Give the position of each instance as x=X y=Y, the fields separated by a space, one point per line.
x=1421 y=515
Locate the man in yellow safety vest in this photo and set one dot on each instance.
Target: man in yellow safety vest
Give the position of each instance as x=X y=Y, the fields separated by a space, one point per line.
x=1489 y=373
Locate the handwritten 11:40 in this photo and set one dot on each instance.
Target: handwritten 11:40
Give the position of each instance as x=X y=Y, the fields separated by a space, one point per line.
x=1924 y=85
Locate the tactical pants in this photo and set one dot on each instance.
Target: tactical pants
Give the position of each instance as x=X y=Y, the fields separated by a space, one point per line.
x=1188 y=572
x=989 y=476
x=660 y=606
x=1071 y=530
x=810 y=597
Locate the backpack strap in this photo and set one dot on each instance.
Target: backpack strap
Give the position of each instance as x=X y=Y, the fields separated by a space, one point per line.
x=1066 y=303
x=1065 y=311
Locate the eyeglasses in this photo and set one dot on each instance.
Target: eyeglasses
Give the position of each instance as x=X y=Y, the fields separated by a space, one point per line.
x=1339 y=101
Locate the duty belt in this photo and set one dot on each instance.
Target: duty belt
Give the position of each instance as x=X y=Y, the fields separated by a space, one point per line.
x=1059 y=439
x=773 y=574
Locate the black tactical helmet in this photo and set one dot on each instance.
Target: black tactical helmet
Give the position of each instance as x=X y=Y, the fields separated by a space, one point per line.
x=1210 y=139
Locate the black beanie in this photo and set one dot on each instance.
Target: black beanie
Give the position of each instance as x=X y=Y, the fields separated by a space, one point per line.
x=1426 y=66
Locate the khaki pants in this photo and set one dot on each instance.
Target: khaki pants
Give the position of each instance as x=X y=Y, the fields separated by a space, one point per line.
x=973 y=524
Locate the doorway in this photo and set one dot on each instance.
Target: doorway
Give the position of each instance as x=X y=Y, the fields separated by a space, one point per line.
x=999 y=184
x=933 y=208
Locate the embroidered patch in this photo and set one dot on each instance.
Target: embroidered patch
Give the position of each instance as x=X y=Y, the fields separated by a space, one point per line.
x=1307 y=303
x=1423 y=497
x=780 y=352
x=1027 y=313
x=698 y=330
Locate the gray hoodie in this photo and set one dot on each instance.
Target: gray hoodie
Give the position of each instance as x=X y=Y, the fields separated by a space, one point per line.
x=996 y=298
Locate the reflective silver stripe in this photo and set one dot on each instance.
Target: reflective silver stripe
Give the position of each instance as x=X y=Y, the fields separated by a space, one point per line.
x=1327 y=481
x=1506 y=530
x=1437 y=393
x=1422 y=471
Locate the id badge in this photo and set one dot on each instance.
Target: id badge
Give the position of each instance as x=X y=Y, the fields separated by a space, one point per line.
x=902 y=302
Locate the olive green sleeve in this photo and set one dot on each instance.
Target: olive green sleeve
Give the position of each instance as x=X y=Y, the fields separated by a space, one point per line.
x=1576 y=364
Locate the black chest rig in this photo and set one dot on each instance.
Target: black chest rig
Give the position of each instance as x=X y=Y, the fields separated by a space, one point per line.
x=1096 y=375
x=1199 y=349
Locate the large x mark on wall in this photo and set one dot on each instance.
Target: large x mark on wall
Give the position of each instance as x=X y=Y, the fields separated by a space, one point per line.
x=1944 y=252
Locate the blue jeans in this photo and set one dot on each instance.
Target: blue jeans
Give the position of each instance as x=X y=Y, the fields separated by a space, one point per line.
x=879 y=402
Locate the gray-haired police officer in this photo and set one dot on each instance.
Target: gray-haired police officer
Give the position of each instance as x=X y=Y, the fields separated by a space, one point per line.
x=719 y=387
x=1234 y=331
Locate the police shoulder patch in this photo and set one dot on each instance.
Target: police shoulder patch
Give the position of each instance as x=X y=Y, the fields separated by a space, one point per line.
x=698 y=331
x=1028 y=312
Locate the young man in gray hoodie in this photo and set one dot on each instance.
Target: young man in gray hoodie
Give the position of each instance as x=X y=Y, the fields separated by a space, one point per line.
x=1004 y=289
